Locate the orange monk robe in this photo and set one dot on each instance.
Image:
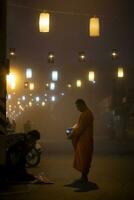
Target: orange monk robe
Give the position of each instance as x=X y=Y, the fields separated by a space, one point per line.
x=82 y=139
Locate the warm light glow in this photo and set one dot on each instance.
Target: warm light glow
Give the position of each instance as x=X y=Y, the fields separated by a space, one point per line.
x=9 y=96
x=21 y=107
x=12 y=51
x=11 y=80
x=69 y=85
x=43 y=103
x=31 y=86
x=53 y=98
x=54 y=75
x=120 y=72
x=78 y=83
x=18 y=102
x=37 y=99
x=44 y=22
x=30 y=103
x=52 y=86
x=91 y=76
x=114 y=54
x=82 y=57
x=94 y=27
x=23 y=98
x=26 y=84
x=29 y=73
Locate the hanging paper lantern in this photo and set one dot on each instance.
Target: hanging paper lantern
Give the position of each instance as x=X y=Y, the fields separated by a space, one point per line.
x=78 y=83
x=91 y=76
x=54 y=75
x=44 y=22
x=28 y=73
x=52 y=86
x=31 y=86
x=94 y=27
x=120 y=72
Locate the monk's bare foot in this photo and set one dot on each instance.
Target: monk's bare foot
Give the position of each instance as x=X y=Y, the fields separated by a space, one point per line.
x=84 y=179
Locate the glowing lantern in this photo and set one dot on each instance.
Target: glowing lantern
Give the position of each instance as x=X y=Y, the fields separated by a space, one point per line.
x=37 y=99
x=91 y=76
x=69 y=85
x=52 y=86
x=9 y=96
x=12 y=51
x=78 y=83
x=53 y=98
x=26 y=85
x=11 y=80
x=31 y=86
x=94 y=27
x=30 y=103
x=28 y=73
x=23 y=98
x=120 y=72
x=44 y=22
x=82 y=57
x=55 y=75
x=51 y=57
x=43 y=103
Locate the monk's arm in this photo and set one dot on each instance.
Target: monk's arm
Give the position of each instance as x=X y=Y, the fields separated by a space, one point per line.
x=82 y=125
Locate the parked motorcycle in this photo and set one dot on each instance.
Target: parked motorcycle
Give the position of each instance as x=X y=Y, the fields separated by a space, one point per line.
x=34 y=156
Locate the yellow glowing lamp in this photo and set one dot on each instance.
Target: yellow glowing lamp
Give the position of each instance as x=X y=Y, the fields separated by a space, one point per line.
x=43 y=103
x=78 y=83
x=91 y=76
x=31 y=86
x=30 y=103
x=11 y=80
x=94 y=27
x=44 y=22
x=120 y=73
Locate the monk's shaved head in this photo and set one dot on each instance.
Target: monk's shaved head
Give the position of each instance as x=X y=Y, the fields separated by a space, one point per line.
x=81 y=105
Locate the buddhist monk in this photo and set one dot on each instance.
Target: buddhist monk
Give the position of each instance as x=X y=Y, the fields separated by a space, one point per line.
x=82 y=140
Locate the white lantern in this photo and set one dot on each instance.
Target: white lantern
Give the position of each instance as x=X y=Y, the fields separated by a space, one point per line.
x=23 y=98
x=52 y=86
x=37 y=99
x=44 y=22
x=78 y=83
x=120 y=72
x=91 y=76
x=94 y=27
x=54 y=75
x=53 y=98
x=29 y=73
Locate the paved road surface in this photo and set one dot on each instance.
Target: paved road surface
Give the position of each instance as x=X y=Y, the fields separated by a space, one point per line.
x=112 y=178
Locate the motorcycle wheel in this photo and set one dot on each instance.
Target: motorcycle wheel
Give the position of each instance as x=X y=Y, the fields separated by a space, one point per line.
x=33 y=158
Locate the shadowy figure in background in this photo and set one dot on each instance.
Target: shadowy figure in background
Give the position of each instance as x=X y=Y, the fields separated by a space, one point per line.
x=82 y=140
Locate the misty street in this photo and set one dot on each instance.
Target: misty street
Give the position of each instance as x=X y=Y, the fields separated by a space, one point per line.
x=112 y=173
